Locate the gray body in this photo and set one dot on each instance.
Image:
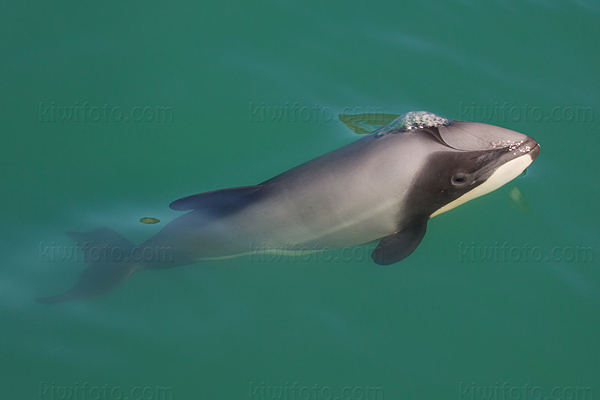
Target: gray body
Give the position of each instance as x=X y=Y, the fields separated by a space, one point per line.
x=343 y=198
x=384 y=186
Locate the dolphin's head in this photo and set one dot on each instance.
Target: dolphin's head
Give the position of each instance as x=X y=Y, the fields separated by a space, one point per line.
x=471 y=159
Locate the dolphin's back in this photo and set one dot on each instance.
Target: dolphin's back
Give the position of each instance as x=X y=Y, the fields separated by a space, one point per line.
x=347 y=197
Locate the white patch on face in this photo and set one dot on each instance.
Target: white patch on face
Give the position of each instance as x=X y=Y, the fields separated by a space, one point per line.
x=500 y=177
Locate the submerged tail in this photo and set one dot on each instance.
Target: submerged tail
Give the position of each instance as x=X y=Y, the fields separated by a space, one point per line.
x=108 y=255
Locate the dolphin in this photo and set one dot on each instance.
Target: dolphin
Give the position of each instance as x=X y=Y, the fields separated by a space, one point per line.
x=382 y=187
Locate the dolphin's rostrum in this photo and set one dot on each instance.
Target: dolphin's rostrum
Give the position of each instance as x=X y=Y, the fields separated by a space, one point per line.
x=384 y=186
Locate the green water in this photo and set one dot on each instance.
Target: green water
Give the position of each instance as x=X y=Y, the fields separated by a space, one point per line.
x=232 y=93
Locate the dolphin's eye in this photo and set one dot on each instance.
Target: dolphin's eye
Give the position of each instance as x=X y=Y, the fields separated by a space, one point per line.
x=459 y=179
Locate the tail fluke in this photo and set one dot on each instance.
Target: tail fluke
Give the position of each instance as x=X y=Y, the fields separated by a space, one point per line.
x=109 y=257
